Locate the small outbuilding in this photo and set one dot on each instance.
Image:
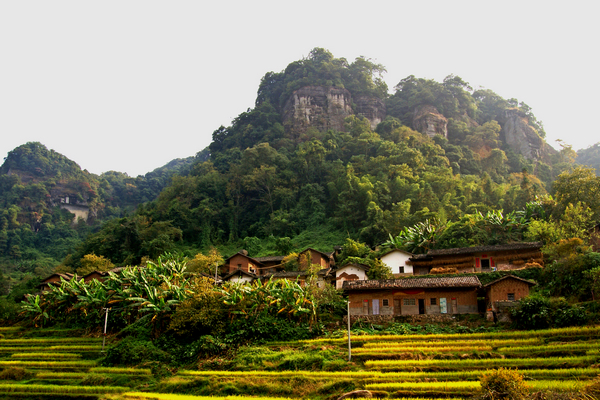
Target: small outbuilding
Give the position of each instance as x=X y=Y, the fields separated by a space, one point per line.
x=506 y=290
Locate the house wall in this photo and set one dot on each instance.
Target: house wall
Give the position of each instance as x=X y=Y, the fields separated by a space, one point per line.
x=464 y=300
x=349 y=273
x=319 y=259
x=240 y=279
x=397 y=259
x=499 y=291
x=243 y=263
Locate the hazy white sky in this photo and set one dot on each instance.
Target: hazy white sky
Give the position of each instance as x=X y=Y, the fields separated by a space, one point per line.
x=130 y=85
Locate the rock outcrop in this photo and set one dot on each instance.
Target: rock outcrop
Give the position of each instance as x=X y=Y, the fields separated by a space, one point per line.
x=520 y=136
x=326 y=107
x=428 y=120
x=372 y=108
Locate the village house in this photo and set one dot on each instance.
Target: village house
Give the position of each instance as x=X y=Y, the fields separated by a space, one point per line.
x=350 y=272
x=410 y=296
x=54 y=280
x=398 y=261
x=503 y=257
x=505 y=291
x=272 y=266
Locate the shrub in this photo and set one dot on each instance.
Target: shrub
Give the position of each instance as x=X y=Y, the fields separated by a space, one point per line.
x=538 y=312
x=503 y=383
x=132 y=351
x=14 y=374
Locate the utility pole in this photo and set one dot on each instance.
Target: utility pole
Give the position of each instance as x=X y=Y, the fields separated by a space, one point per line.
x=349 y=341
x=105 y=325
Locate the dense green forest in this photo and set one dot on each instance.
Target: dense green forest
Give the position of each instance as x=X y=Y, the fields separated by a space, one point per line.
x=259 y=187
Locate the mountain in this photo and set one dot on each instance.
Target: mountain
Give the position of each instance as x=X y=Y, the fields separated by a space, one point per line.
x=48 y=204
x=327 y=153
x=590 y=157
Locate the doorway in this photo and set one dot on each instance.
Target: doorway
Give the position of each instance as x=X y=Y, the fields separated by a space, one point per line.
x=421 y=306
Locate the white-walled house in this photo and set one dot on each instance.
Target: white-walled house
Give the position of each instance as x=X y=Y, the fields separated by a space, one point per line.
x=397 y=261
x=350 y=272
x=240 y=276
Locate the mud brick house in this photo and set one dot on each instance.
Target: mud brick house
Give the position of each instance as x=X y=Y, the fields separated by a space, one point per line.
x=350 y=272
x=54 y=280
x=409 y=296
x=324 y=276
x=505 y=291
x=480 y=259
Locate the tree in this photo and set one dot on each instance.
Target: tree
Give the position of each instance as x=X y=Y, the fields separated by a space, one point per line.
x=91 y=262
x=205 y=264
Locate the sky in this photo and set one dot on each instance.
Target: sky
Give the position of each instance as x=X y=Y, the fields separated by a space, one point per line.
x=130 y=85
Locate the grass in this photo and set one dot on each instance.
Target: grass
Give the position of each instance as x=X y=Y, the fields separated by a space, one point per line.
x=49 y=364
x=59 y=389
x=46 y=356
x=528 y=363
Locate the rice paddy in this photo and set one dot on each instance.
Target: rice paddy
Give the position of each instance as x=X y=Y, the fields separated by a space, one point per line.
x=428 y=367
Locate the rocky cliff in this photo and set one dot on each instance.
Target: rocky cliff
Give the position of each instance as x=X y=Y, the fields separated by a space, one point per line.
x=326 y=107
x=429 y=121
x=520 y=136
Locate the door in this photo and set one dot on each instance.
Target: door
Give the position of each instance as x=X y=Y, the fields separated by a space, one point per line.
x=443 y=306
x=397 y=309
x=375 y=306
x=454 y=306
x=421 y=306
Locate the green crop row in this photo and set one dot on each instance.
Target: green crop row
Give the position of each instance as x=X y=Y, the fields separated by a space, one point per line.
x=170 y=396
x=425 y=349
x=50 y=341
x=81 y=349
x=377 y=376
x=570 y=331
x=48 y=364
x=60 y=375
x=555 y=362
x=46 y=356
x=444 y=343
x=121 y=371
x=577 y=346
x=60 y=389
x=470 y=386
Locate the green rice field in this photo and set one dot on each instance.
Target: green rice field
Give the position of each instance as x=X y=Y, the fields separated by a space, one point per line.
x=396 y=367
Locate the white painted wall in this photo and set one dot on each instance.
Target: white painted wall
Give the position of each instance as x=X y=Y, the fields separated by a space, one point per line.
x=349 y=270
x=396 y=259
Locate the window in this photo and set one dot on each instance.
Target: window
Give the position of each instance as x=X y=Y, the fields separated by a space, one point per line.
x=510 y=296
x=239 y=266
x=433 y=301
x=401 y=270
x=385 y=303
x=252 y=269
x=409 y=302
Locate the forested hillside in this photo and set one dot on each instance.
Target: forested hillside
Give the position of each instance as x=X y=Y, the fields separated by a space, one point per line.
x=48 y=205
x=280 y=178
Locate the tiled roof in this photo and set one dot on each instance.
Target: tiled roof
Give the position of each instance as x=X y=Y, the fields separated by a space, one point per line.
x=509 y=277
x=479 y=249
x=269 y=258
x=414 y=283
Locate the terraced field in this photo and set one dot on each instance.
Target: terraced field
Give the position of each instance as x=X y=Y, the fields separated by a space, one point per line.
x=401 y=367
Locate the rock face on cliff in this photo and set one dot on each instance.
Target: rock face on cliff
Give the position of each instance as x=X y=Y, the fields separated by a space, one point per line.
x=429 y=121
x=371 y=108
x=326 y=107
x=520 y=136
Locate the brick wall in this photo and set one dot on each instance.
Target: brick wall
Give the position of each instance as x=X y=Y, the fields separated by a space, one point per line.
x=361 y=303
x=499 y=291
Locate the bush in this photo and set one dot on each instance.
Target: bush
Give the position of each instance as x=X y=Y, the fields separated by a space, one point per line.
x=503 y=383
x=539 y=312
x=14 y=374
x=133 y=351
